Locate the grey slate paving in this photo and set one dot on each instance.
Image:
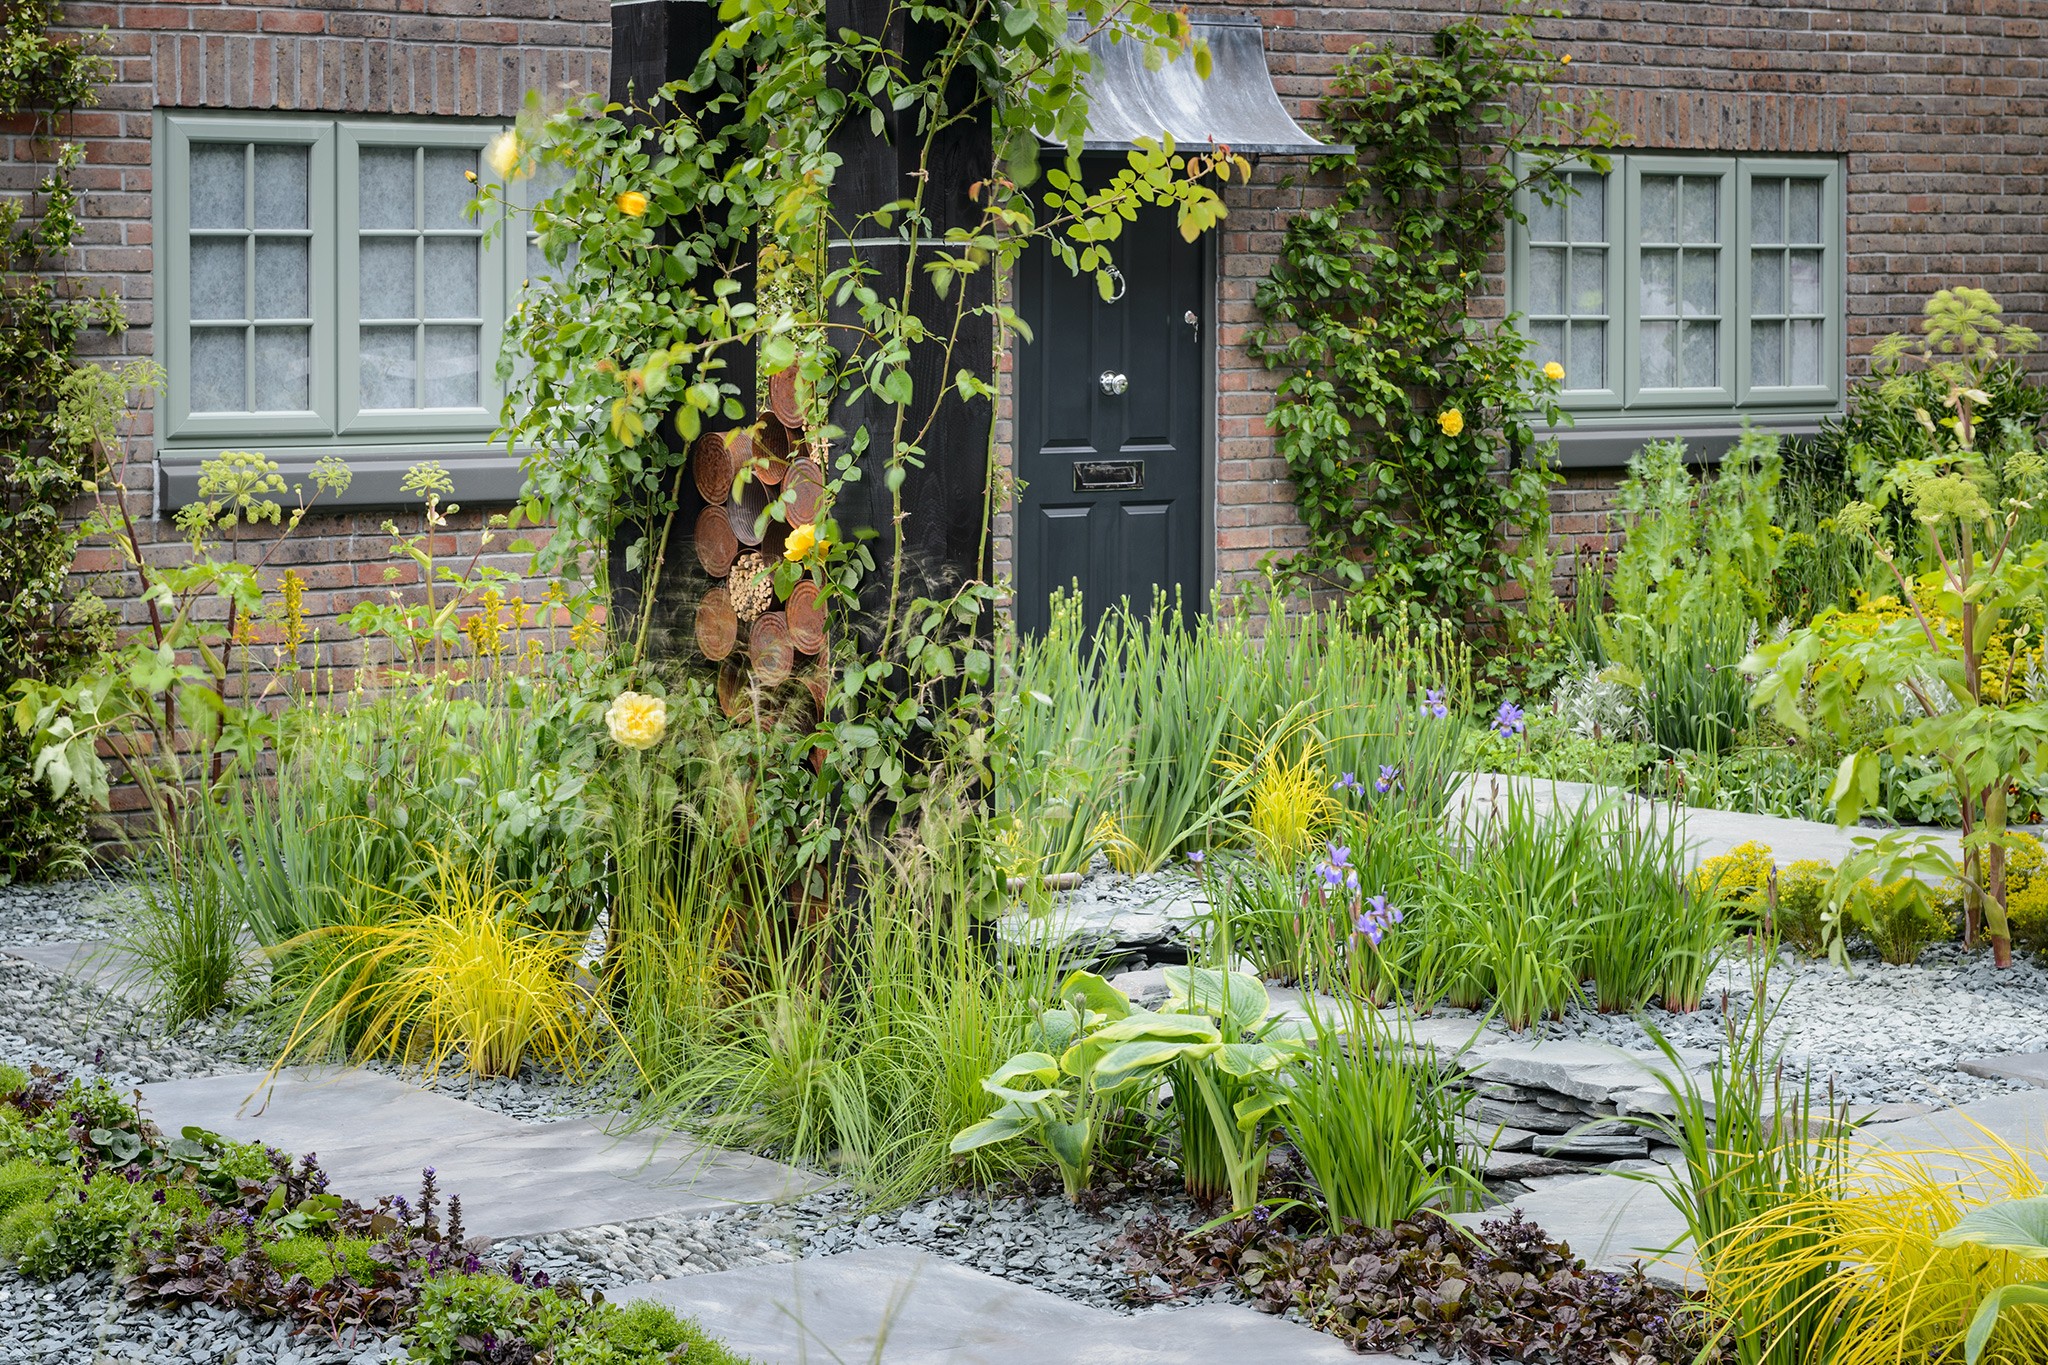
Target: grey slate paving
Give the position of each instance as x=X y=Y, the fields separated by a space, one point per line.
x=1610 y=1222
x=896 y=1306
x=2031 y=1067
x=103 y=965
x=374 y=1133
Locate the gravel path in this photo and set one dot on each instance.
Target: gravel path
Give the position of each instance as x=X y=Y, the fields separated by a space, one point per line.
x=1884 y=1034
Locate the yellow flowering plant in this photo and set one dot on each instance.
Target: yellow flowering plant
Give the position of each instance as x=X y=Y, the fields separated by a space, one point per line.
x=636 y=720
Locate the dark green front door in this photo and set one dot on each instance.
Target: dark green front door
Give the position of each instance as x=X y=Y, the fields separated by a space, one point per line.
x=1111 y=402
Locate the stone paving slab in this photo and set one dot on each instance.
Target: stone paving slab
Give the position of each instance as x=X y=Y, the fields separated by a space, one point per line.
x=101 y=965
x=2030 y=1067
x=1610 y=1222
x=1707 y=833
x=374 y=1134
x=897 y=1306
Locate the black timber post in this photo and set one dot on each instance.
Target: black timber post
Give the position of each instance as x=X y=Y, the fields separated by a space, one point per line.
x=655 y=42
x=945 y=501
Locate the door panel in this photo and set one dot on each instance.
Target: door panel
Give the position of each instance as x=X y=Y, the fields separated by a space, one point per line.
x=1087 y=517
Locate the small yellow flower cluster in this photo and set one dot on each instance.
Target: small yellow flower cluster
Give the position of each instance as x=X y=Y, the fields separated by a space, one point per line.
x=294 y=592
x=636 y=720
x=486 y=626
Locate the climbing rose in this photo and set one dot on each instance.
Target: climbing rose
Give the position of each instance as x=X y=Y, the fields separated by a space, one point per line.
x=637 y=721
x=503 y=156
x=1553 y=371
x=632 y=203
x=801 y=539
x=1450 y=421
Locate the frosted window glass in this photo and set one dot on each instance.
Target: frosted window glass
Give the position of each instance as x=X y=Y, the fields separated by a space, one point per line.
x=536 y=262
x=1767 y=354
x=451 y=367
x=1546 y=221
x=1660 y=208
x=1702 y=210
x=1549 y=342
x=1660 y=355
x=387 y=367
x=1589 y=282
x=1546 y=280
x=451 y=277
x=1805 y=274
x=1767 y=212
x=283 y=175
x=283 y=277
x=219 y=286
x=387 y=277
x=1660 y=283
x=1700 y=365
x=219 y=370
x=1806 y=353
x=1589 y=209
x=1586 y=367
x=284 y=368
x=1699 y=294
x=386 y=187
x=449 y=189
x=1767 y=282
x=1805 y=214
x=219 y=189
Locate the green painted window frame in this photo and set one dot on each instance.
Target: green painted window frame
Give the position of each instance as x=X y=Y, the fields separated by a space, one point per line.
x=1605 y=395
x=1734 y=395
x=335 y=424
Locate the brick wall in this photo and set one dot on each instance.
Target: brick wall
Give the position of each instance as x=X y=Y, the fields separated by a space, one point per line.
x=1938 y=107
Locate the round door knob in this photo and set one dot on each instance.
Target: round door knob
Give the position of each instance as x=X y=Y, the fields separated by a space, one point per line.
x=1114 y=383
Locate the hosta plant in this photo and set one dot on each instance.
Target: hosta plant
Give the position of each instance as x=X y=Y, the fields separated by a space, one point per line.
x=1931 y=671
x=1226 y=1097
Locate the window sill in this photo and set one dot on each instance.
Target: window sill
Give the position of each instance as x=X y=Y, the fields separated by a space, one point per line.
x=483 y=475
x=1602 y=442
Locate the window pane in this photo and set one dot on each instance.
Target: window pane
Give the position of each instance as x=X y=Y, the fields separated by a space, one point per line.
x=1767 y=282
x=1767 y=354
x=1548 y=339
x=1546 y=221
x=1659 y=342
x=1805 y=211
x=1660 y=208
x=1700 y=288
x=219 y=370
x=536 y=262
x=1586 y=366
x=1702 y=209
x=1589 y=281
x=1767 y=212
x=1806 y=353
x=1546 y=280
x=1589 y=208
x=283 y=277
x=219 y=189
x=219 y=285
x=283 y=175
x=284 y=367
x=449 y=188
x=1805 y=272
x=386 y=187
x=1660 y=283
x=1700 y=363
x=451 y=367
x=451 y=277
x=387 y=365
x=387 y=277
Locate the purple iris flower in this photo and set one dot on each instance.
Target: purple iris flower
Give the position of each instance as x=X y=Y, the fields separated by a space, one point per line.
x=1195 y=856
x=1389 y=778
x=1509 y=721
x=1348 y=783
x=1433 y=704
x=1375 y=917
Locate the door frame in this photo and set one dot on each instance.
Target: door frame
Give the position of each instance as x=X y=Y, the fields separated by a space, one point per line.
x=1210 y=291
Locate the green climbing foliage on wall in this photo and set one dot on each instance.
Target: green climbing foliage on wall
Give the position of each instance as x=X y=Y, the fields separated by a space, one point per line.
x=1407 y=424
x=45 y=630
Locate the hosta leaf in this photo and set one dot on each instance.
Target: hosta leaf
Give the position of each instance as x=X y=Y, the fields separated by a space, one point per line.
x=1127 y=1063
x=2019 y=1226
x=1006 y=1123
x=1095 y=994
x=1237 y=998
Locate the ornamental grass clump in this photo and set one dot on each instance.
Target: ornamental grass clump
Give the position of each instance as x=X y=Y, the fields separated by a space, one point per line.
x=459 y=972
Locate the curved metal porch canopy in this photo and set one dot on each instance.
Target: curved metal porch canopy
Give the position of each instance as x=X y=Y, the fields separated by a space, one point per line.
x=1236 y=107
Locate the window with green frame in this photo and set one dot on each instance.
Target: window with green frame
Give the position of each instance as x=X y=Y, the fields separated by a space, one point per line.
x=1679 y=287
x=326 y=290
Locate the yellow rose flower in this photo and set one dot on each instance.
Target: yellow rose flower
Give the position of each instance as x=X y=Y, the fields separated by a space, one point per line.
x=504 y=155
x=801 y=539
x=1553 y=371
x=637 y=721
x=1450 y=421
x=1566 y=59
x=632 y=203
